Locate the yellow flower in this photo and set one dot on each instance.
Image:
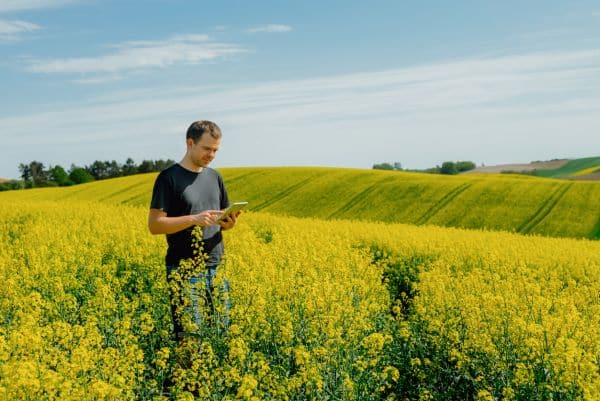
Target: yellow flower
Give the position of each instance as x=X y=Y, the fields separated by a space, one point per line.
x=484 y=395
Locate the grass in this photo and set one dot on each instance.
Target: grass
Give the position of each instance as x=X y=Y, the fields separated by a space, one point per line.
x=571 y=168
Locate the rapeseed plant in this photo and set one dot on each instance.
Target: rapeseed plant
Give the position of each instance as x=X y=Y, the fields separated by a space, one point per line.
x=85 y=314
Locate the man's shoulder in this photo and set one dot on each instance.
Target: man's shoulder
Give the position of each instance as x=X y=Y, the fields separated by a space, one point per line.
x=170 y=172
x=172 y=169
x=167 y=177
x=213 y=172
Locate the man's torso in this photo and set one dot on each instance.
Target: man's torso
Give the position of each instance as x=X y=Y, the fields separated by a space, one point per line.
x=180 y=192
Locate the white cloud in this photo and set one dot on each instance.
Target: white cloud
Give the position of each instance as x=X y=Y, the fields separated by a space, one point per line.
x=526 y=83
x=528 y=106
x=134 y=55
x=14 y=27
x=100 y=79
x=271 y=28
x=596 y=13
x=18 y=5
x=11 y=30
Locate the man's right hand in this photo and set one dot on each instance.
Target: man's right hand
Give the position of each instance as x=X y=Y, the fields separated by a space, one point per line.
x=206 y=218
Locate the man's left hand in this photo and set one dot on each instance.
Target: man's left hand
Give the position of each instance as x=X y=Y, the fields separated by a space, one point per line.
x=229 y=222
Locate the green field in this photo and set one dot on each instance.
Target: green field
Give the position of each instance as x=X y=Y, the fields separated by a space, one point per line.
x=570 y=168
x=514 y=203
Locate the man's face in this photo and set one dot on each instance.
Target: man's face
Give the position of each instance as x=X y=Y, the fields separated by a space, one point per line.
x=203 y=152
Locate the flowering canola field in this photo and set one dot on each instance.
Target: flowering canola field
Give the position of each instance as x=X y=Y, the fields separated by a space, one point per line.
x=323 y=310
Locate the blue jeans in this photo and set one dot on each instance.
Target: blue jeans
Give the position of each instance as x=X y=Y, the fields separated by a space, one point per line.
x=199 y=290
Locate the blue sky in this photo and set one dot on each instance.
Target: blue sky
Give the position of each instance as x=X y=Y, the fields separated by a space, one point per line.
x=327 y=83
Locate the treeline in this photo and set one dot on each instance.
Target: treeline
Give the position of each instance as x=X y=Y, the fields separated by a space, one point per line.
x=447 y=167
x=35 y=175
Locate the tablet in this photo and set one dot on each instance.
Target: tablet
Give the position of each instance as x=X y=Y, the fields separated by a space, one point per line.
x=234 y=208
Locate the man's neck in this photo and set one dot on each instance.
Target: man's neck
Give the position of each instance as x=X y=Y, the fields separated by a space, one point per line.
x=187 y=164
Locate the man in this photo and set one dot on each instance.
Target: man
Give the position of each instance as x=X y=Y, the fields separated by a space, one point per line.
x=186 y=195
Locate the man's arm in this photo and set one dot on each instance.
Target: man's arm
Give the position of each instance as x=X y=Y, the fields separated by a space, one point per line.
x=159 y=223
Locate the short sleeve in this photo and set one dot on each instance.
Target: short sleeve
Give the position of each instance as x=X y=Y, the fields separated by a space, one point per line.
x=161 y=193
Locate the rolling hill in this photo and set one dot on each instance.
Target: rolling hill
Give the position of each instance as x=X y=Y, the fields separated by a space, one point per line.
x=515 y=203
x=575 y=169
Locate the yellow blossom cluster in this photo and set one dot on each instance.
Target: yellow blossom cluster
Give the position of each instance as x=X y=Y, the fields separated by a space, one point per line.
x=84 y=310
x=66 y=331
x=527 y=309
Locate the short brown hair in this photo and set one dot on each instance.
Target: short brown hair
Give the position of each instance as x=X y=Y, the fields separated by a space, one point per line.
x=198 y=128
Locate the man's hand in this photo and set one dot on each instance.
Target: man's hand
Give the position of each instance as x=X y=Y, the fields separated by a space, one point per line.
x=229 y=222
x=206 y=218
x=160 y=223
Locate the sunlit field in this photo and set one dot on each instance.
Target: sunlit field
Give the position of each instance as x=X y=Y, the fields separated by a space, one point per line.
x=324 y=310
x=512 y=203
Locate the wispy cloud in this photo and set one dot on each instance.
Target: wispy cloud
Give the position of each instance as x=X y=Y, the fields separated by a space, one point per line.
x=546 y=34
x=271 y=28
x=596 y=13
x=101 y=79
x=135 y=55
x=19 y=5
x=521 y=84
x=12 y=30
x=495 y=107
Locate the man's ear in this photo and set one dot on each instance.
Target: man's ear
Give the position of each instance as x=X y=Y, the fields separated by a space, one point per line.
x=189 y=142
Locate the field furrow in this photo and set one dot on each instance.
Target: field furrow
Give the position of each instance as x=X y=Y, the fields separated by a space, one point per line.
x=348 y=204
x=445 y=201
x=280 y=195
x=544 y=209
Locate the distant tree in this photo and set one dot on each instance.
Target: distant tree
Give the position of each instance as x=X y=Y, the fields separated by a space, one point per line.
x=398 y=166
x=98 y=169
x=60 y=176
x=465 y=166
x=34 y=174
x=433 y=170
x=129 y=167
x=160 y=165
x=37 y=173
x=147 y=166
x=114 y=169
x=448 y=168
x=12 y=184
x=80 y=175
x=383 y=166
x=25 y=173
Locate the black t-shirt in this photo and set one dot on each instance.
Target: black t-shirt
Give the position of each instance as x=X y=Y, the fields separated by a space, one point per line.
x=180 y=192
